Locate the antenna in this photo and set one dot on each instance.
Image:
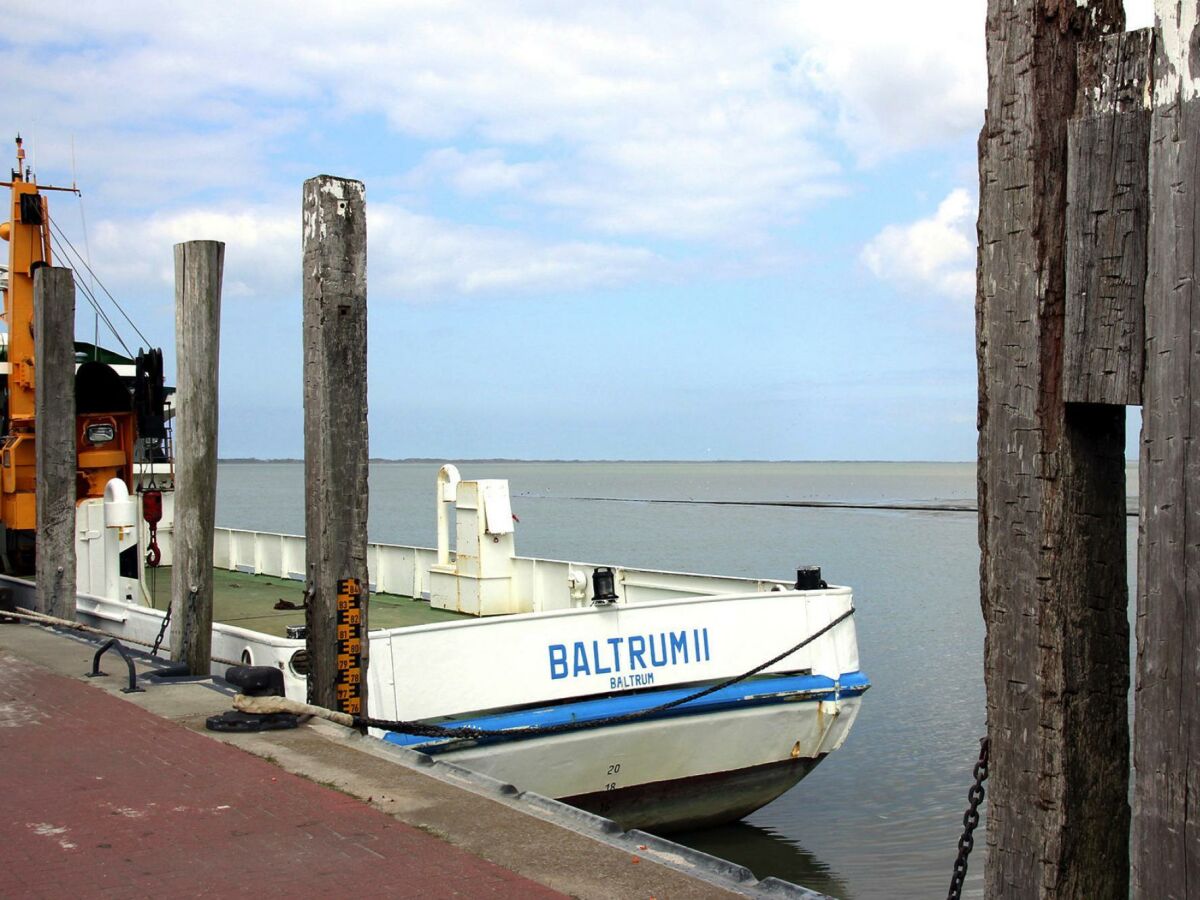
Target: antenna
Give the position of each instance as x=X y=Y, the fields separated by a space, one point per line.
x=87 y=250
x=74 y=182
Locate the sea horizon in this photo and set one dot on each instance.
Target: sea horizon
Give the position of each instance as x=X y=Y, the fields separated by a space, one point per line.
x=517 y=459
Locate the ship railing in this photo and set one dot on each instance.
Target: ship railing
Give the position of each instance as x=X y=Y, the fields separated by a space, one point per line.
x=403 y=570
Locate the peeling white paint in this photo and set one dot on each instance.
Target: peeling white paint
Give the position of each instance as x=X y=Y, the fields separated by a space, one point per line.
x=310 y=224
x=1177 y=23
x=1093 y=11
x=345 y=193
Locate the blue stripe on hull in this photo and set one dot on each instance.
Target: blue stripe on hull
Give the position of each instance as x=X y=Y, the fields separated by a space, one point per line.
x=755 y=692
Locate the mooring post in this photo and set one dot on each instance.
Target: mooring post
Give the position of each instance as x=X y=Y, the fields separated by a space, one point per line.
x=1108 y=149
x=1166 y=796
x=54 y=403
x=1051 y=490
x=198 y=272
x=335 y=440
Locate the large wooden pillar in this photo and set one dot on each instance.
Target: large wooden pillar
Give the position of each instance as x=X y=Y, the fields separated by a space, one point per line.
x=335 y=439
x=1051 y=490
x=199 y=266
x=1166 y=820
x=54 y=392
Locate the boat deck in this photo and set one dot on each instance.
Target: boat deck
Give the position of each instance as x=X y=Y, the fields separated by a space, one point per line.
x=248 y=601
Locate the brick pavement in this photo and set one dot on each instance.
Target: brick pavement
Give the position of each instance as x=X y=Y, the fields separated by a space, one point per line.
x=99 y=798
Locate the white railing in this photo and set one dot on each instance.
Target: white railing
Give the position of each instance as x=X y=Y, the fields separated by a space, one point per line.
x=543 y=583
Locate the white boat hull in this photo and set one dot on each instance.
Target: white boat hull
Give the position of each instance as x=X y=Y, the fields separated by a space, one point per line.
x=678 y=773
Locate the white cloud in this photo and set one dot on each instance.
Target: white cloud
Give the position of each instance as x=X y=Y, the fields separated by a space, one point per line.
x=932 y=254
x=423 y=259
x=411 y=257
x=901 y=75
x=677 y=120
x=478 y=172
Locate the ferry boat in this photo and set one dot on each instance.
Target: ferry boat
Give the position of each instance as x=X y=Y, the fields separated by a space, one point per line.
x=661 y=700
x=476 y=637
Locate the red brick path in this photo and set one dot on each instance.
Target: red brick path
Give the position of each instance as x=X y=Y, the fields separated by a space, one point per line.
x=99 y=798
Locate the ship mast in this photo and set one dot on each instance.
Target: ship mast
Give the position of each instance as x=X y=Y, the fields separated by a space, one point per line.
x=103 y=452
x=28 y=250
x=28 y=234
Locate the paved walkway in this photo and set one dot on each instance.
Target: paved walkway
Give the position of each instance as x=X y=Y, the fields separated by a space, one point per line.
x=99 y=798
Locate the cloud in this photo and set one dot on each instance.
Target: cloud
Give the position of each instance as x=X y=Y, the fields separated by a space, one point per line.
x=898 y=79
x=932 y=254
x=412 y=257
x=423 y=259
x=476 y=173
x=664 y=121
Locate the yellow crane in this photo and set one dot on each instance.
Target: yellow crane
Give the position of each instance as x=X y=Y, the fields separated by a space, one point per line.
x=105 y=428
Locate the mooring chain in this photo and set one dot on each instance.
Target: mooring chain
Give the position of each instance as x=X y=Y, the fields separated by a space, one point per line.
x=970 y=820
x=162 y=629
x=421 y=729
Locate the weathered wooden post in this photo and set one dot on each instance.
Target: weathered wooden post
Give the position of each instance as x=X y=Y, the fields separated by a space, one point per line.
x=335 y=440
x=1051 y=490
x=1166 y=799
x=198 y=271
x=54 y=393
x=1108 y=148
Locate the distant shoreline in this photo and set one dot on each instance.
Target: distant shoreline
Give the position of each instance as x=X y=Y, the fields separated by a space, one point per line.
x=251 y=460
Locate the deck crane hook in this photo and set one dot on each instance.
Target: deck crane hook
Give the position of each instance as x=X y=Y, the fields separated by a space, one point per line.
x=152 y=513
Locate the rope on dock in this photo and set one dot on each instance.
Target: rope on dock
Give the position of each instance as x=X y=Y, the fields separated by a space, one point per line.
x=270 y=705
x=38 y=618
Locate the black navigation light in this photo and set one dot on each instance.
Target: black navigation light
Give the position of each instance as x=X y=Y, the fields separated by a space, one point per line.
x=603 y=585
x=808 y=578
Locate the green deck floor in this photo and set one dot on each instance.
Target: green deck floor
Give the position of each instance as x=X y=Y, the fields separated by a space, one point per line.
x=248 y=601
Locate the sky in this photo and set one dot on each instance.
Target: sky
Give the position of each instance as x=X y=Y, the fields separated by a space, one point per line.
x=619 y=230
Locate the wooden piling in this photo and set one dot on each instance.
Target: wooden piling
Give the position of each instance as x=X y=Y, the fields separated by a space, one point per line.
x=335 y=438
x=1166 y=816
x=1108 y=148
x=1051 y=494
x=198 y=272
x=54 y=403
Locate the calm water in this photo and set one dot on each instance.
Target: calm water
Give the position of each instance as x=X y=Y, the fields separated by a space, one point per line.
x=879 y=818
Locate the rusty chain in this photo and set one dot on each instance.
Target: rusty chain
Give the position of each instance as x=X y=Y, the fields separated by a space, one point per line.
x=970 y=820
x=162 y=630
